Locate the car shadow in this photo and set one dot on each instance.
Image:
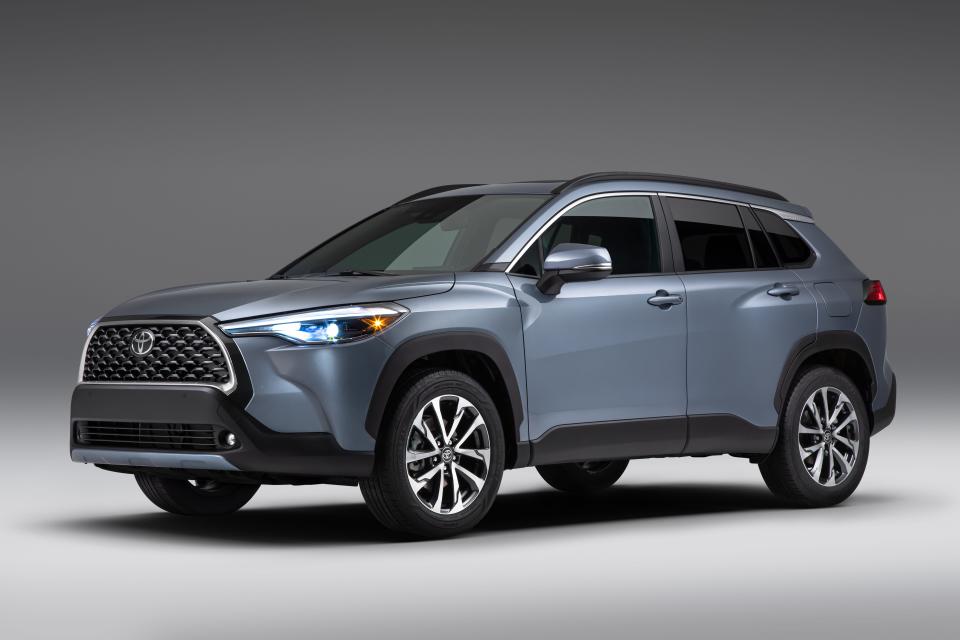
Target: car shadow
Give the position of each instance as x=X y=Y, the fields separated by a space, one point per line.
x=349 y=524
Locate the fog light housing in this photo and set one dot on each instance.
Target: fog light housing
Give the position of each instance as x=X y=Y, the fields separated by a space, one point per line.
x=228 y=440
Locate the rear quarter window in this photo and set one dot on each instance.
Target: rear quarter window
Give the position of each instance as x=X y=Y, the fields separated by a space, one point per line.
x=790 y=247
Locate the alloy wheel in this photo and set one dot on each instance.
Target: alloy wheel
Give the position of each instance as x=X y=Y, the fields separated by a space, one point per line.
x=448 y=454
x=829 y=436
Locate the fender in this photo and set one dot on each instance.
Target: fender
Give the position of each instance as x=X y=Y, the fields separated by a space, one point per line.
x=413 y=349
x=816 y=343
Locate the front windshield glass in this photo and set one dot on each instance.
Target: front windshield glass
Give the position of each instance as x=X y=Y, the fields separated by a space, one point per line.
x=438 y=234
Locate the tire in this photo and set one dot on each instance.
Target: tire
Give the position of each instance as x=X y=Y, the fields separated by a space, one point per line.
x=787 y=470
x=583 y=477
x=203 y=498
x=448 y=502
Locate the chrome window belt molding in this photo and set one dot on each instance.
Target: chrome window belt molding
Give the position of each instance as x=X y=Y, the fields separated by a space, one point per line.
x=227 y=388
x=786 y=215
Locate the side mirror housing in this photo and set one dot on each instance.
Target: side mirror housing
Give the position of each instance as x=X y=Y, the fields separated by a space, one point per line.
x=572 y=262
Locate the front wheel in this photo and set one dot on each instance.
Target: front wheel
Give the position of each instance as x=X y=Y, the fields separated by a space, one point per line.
x=824 y=441
x=195 y=497
x=440 y=457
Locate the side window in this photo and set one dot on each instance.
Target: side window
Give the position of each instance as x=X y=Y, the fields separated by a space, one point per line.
x=762 y=251
x=791 y=248
x=623 y=225
x=711 y=234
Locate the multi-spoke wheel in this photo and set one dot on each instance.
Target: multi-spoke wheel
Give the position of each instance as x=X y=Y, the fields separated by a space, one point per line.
x=440 y=458
x=828 y=436
x=583 y=477
x=201 y=497
x=448 y=454
x=824 y=440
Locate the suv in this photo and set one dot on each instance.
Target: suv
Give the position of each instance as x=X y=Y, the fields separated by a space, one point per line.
x=467 y=329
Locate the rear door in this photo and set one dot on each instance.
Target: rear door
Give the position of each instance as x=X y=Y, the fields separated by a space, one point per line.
x=745 y=313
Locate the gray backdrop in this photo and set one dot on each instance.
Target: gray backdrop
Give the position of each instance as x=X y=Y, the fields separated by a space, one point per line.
x=149 y=145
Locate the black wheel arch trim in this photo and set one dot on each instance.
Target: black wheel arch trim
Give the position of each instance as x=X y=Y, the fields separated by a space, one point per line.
x=813 y=344
x=417 y=347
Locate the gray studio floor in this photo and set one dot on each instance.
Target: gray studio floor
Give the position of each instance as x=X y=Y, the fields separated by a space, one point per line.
x=682 y=548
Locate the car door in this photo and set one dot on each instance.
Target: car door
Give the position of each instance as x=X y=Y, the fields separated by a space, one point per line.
x=745 y=313
x=606 y=369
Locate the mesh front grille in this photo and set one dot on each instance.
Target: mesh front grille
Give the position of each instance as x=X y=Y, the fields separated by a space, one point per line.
x=148 y=435
x=181 y=353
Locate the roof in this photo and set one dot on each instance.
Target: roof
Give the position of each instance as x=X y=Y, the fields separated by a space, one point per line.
x=652 y=181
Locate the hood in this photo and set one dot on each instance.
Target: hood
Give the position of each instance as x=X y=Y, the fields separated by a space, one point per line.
x=236 y=300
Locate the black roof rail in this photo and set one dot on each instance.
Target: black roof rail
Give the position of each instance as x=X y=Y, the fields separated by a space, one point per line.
x=433 y=190
x=607 y=176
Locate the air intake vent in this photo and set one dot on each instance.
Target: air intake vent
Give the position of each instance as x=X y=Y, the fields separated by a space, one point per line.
x=156 y=353
x=151 y=435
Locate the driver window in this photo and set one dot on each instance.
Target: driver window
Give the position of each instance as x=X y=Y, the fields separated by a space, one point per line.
x=623 y=225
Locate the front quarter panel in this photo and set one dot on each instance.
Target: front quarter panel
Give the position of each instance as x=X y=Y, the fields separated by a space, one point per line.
x=330 y=388
x=480 y=303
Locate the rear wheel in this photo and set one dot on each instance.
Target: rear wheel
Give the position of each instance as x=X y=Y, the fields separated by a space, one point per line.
x=195 y=497
x=440 y=457
x=824 y=441
x=583 y=477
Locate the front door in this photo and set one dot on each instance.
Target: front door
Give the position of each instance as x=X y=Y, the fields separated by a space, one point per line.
x=606 y=368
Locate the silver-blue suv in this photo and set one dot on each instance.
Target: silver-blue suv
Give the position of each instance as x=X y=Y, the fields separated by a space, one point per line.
x=467 y=329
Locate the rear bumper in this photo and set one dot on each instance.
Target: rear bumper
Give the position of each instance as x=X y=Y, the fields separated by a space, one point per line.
x=883 y=416
x=314 y=456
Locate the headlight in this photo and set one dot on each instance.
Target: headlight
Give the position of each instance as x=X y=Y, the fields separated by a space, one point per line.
x=322 y=326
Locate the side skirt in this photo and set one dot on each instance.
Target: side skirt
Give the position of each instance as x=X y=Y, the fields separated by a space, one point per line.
x=699 y=435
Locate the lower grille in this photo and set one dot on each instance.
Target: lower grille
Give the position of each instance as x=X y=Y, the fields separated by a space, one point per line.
x=150 y=435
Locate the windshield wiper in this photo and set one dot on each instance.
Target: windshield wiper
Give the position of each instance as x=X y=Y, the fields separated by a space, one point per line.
x=346 y=272
x=359 y=272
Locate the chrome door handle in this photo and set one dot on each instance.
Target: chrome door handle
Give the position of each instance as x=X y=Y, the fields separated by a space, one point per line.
x=664 y=300
x=783 y=290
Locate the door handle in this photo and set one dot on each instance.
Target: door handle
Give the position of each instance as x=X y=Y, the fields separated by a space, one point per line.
x=664 y=300
x=783 y=291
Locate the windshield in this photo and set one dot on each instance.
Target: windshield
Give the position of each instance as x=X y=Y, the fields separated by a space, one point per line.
x=438 y=234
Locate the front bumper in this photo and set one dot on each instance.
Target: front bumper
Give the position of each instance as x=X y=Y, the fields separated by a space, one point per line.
x=259 y=450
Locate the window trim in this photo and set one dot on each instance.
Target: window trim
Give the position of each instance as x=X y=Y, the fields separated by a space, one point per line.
x=671 y=256
x=666 y=253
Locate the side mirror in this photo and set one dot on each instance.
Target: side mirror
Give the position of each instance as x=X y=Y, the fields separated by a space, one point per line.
x=571 y=262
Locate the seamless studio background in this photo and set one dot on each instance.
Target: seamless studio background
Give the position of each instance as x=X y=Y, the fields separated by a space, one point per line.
x=145 y=145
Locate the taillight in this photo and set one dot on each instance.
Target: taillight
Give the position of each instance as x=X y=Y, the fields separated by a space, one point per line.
x=873 y=292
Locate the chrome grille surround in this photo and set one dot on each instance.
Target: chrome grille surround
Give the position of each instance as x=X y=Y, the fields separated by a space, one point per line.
x=185 y=353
